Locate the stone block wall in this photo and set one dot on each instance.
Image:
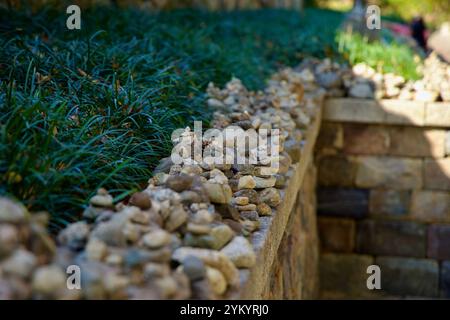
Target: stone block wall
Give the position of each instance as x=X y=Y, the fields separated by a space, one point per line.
x=294 y=272
x=384 y=198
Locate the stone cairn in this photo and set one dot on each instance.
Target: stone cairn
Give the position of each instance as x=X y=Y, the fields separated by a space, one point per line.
x=362 y=81
x=186 y=235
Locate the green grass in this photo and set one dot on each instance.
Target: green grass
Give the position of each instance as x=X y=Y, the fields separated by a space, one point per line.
x=384 y=55
x=95 y=108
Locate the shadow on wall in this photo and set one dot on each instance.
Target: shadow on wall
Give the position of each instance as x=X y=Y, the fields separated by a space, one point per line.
x=384 y=198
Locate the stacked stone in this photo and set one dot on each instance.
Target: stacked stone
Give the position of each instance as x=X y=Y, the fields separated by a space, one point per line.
x=362 y=81
x=25 y=253
x=436 y=77
x=187 y=234
x=434 y=86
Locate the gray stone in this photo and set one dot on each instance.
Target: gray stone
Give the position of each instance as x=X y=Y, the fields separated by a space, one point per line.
x=74 y=235
x=391 y=238
x=12 y=212
x=329 y=80
x=163 y=166
x=194 y=268
x=240 y=252
x=445 y=279
x=409 y=277
x=352 y=203
x=361 y=90
x=439 y=241
x=9 y=239
x=389 y=202
x=112 y=231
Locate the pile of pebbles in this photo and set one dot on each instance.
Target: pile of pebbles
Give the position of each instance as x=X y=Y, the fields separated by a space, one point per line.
x=189 y=232
x=362 y=81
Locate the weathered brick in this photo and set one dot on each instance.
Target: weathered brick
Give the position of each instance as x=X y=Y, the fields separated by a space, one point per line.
x=389 y=172
x=392 y=238
x=331 y=135
x=417 y=142
x=437 y=174
x=409 y=277
x=430 y=206
x=437 y=114
x=403 y=112
x=445 y=279
x=344 y=275
x=439 y=242
x=337 y=171
x=336 y=234
x=353 y=203
x=365 y=139
x=389 y=202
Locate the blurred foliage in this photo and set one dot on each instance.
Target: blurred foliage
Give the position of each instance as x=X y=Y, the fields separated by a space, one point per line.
x=434 y=12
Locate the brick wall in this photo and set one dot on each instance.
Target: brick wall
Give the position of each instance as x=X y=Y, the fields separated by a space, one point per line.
x=384 y=198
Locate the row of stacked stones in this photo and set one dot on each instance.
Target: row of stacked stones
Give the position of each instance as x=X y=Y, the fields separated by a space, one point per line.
x=362 y=81
x=186 y=235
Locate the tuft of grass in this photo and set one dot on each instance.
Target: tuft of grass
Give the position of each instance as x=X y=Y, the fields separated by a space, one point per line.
x=384 y=55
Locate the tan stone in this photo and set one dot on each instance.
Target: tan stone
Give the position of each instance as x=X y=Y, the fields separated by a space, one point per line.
x=430 y=206
x=353 y=110
x=437 y=114
x=331 y=136
x=246 y=182
x=336 y=234
x=344 y=275
x=417 y=142
x=389 y=172
x=403 y=112
x=241 y=201
x=394 y=203
x=365 y=139
x=437 y=174
x=337 y=171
